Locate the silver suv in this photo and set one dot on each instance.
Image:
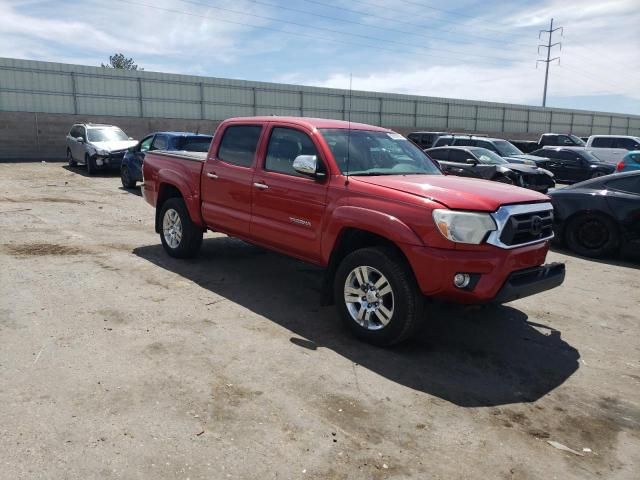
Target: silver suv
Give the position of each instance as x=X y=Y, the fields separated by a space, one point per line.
x=97 y=146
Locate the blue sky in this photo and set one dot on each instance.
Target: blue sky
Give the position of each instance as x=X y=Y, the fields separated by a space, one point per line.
x=484 y=50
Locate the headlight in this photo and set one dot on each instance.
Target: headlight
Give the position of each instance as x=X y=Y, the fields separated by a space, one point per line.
x=530 y=162
x=102 y=153
x=463 y=227
x=547 y=172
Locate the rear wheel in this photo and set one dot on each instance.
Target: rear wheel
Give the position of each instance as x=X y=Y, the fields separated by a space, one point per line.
x=180 y=237
x=70 y=160
x=377 y=296
x=125 y=176
x=592 y=235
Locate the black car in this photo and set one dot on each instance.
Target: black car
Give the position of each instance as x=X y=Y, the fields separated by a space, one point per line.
x=572 y=164
x=479 y=162
x=425 y=139
x=497 y=145
x=600 y=216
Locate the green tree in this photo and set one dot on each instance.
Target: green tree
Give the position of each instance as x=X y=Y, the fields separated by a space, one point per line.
x=120 y=61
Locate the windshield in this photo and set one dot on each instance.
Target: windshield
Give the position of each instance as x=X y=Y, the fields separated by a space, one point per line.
x=577 y=140
x=110 y=134
x=365 y=152
x=487 y=156
x=506 y=148
x=193 y=144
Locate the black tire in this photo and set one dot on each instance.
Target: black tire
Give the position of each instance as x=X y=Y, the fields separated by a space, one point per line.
x=592 y=235
x=125 y=176
x=91 y=164
x=70 y=160
x=190 y=239
x=408 y=302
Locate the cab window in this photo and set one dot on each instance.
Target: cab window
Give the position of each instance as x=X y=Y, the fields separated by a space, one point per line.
x=285 y=145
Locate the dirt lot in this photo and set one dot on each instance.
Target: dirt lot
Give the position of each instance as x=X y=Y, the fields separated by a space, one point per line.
x=119 y=362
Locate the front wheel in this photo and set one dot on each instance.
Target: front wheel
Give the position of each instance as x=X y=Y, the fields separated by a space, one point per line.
x=91 y=164
x=377 y=296
x=70 y=160
x=125 y=177
x=592 y=235
x=180 y=237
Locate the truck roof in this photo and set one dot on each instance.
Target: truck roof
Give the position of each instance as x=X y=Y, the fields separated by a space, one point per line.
x=312 y=123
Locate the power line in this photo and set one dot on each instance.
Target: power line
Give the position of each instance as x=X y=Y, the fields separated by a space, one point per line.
x=548 y=47
x=497 y=61
x=354 y=22
x=330 y=30
x=403 y=22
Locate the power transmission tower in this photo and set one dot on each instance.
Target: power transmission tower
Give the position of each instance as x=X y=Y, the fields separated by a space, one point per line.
x=548 y=47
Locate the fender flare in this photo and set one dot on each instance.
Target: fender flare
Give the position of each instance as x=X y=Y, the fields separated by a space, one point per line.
x=191 y=198
x=379 y=223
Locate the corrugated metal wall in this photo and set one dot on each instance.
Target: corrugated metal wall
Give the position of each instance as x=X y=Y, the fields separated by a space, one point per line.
x=32 y=86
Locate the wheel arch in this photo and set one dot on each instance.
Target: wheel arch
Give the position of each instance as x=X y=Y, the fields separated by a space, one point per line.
x=165 y=192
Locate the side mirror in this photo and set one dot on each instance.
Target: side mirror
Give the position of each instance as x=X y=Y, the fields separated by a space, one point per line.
x=472 y=161
x=307 y=165
x=79 y=139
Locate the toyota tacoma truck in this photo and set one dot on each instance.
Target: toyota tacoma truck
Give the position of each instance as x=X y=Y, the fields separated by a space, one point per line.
x=367 y=205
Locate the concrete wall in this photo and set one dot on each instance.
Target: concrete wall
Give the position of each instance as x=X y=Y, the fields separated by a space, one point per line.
x=39 y=101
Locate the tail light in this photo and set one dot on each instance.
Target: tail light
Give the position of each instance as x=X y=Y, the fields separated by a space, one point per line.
x=620 y=166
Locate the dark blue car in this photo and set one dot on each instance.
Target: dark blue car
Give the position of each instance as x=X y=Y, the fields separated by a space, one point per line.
x=131 y=170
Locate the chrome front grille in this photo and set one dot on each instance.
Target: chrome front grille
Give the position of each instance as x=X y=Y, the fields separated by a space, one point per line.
x=520 y=225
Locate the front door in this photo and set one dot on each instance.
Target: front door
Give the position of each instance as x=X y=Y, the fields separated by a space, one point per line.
x=288 y=207
x=227 y=176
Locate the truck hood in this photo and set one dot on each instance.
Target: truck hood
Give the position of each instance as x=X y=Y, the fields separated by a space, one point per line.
x=457 y=193
x=115 y=145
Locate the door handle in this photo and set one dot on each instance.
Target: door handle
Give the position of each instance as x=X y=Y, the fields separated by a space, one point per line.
x=261 y=186
x=212 y=175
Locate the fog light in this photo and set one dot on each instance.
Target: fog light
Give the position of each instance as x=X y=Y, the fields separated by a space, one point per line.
x=461 y=280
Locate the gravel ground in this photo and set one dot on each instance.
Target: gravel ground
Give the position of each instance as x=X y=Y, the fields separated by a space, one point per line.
x=117 y=361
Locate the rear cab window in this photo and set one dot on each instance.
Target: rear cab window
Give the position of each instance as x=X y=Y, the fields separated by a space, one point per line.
x=239 y=144
x=602 y=142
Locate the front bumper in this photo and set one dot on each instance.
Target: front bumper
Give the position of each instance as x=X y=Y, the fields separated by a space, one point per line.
x=113 y=160
x=530 y=281
x=435 y=269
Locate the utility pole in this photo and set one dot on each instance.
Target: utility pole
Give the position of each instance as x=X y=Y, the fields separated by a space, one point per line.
x=548 y=46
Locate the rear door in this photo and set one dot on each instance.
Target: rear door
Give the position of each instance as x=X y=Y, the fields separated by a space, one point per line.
x=572 y=167
x=226 y=184
x=288 y=207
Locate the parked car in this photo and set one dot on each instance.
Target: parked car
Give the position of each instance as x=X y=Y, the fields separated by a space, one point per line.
x=549 y=140
x=600 y=216
x=425 y=139
x=131 y=170
x=612 y=148
x=630 y=162
x=97 y=146
x=479 y=162
x=366 y=204
x=571 y=164
x=497 y=145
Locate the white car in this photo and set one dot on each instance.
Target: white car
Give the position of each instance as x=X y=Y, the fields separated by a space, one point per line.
x=612 y=148
x=97 y=146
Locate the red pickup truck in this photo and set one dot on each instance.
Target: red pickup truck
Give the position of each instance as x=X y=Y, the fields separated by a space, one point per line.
x=366 y=204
